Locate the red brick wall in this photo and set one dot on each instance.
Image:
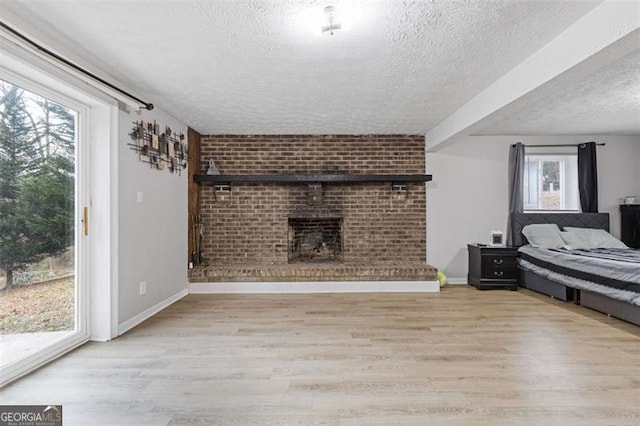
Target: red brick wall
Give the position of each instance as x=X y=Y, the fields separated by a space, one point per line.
x=252 y=224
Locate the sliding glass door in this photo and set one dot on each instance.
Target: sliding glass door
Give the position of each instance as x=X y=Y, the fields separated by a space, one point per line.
x=42 y=293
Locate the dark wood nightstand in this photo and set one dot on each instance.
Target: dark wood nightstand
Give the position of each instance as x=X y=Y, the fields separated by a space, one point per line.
x=630 y=225
x=492 y=267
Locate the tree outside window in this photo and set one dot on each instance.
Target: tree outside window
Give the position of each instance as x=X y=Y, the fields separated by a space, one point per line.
x=37 y=167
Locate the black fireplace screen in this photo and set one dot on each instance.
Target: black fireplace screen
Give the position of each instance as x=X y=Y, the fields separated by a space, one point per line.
x=315 y=239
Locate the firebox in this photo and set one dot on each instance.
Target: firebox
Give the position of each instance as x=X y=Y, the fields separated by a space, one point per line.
x=315 y=239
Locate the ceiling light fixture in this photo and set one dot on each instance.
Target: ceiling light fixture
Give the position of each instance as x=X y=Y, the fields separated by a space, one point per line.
x=332 y=22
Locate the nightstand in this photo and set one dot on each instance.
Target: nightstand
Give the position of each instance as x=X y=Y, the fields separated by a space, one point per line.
x=492 y=267
x=630 y=225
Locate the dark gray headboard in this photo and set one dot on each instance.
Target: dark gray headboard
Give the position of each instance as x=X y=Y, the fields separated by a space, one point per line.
x=577 y=220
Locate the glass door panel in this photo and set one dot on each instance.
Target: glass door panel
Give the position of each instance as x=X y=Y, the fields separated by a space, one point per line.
x=39 y=254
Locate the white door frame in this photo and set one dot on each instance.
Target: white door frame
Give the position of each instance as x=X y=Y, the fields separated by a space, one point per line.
x=96 y=181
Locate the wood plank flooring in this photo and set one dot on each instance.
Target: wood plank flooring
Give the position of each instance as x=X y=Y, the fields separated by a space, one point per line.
x=460 y=357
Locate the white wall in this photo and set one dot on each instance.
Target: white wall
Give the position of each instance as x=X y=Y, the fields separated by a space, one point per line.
x=468 y=195
x=618 y=175
x=152 y=235
x=147 y=241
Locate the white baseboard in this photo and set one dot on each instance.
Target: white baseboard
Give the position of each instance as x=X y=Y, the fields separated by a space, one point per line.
x=146 y=314
x=316 y=287
x=457 y=281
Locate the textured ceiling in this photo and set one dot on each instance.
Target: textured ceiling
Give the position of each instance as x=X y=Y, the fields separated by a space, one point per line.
x=606 y=101
x=250 y=67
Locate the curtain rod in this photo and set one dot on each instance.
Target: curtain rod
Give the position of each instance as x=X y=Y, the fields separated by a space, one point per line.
x=562 y=145
x=77 y=68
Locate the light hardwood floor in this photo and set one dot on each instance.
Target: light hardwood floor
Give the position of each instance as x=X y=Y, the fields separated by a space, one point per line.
x=460 y=357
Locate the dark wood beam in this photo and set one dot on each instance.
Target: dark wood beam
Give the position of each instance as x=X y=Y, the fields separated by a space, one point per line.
x=302 y=178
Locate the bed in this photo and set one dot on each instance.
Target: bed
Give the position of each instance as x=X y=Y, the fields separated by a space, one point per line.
x=604 y=280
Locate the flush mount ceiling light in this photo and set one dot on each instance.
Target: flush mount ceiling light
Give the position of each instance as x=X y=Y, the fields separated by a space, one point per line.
x=331 y=20
x=319 y=20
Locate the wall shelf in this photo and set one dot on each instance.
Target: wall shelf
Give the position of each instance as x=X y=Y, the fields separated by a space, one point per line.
x=318 y=178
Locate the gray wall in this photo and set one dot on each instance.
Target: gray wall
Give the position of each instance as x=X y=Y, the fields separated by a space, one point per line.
x=152 y=235
x=468 y=195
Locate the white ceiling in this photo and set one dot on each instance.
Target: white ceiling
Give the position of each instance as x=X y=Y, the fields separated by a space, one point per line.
x=251 y=67
x=606 y=101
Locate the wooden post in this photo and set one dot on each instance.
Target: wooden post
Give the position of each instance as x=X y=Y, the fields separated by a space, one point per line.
x=193 y=140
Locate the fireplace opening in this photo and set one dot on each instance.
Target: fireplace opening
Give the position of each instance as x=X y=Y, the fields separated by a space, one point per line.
x=313 y=240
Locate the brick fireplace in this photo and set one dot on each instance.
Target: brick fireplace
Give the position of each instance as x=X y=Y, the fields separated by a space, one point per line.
x=312 y=232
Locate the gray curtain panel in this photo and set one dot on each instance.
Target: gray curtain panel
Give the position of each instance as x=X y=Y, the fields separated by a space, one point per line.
x=516 y=177
x=588 y=177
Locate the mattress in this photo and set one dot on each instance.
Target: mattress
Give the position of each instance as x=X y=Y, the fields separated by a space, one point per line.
x=612 y=272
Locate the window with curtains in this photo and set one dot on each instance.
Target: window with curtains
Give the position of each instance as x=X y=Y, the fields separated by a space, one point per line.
x=550 y=182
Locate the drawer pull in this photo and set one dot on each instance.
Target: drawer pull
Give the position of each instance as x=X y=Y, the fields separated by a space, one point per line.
x=498 y=261
x=498 y=273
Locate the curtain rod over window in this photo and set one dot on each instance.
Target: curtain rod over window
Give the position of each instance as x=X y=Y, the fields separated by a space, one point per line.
x=561 y=145
x=71 y=68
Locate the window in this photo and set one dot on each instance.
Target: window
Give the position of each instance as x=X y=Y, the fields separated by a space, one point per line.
x=551 y=182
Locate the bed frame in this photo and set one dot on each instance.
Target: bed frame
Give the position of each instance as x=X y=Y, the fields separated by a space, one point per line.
x=535 y=282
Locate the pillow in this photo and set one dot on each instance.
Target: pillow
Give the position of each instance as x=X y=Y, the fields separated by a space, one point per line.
x=574 y=241
x=544 y=235
x=597 y=238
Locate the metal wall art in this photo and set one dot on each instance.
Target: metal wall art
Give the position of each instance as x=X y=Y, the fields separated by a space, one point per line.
x=167 y=150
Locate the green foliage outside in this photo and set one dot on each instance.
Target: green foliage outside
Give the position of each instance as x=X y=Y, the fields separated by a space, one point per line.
x=36 y=179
